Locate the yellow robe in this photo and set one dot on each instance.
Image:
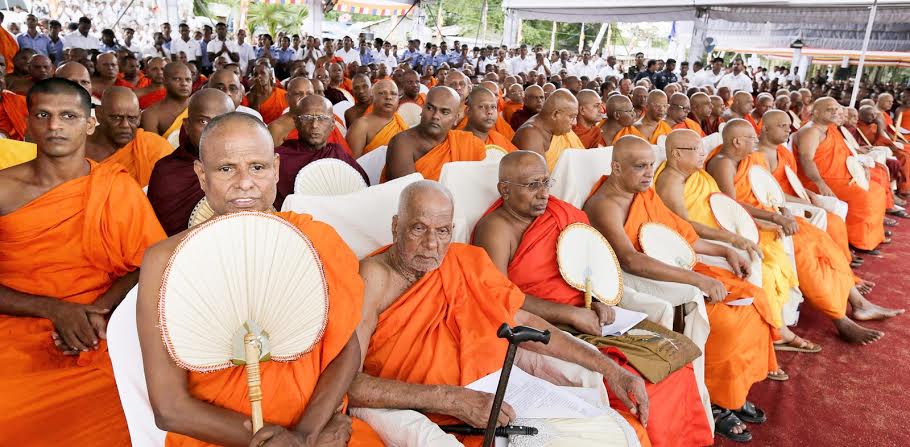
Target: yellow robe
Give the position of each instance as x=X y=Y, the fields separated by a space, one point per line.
x=15 y=152
x=178 y=122
x=558 y=145
x=382 y=138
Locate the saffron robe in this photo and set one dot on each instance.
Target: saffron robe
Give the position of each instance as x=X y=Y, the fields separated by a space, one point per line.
x=177 y=123
x=509 y=108
x=174 y=187
x=288 y=386
x=294 y=156
x=273 y=107
x=140 y=155
x=151 y=98
x=382 y=138
x=870 y=134
x=71 y=243
x=866 y=209
x=692 y=125
x=13 y=115
x=421 y=99
x=14 y=152
x=558 y=145
x=590 y=137
x=458 y=146
x=757 y=125
x=494 y=137
x=8 y=48
x=501 y=126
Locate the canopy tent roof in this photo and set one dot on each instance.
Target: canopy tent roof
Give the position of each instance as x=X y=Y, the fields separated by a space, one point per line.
x=821 y=56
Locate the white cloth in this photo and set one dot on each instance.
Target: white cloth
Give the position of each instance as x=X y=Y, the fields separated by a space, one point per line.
x=736 y=82
x=248 y=111
x=348 y=56
x=363 y=219
x=473 y=186
x=388 y=59
x=576 y=172
x=309 y=64
x=609 y=72
x=190 y=48
x=342 y=107
x=519 y=65
x=373 y=162
x=246 y=53
x=705 y=77
x=77 y=40
x=559 y=65
x=215 y=45
x=581 y=69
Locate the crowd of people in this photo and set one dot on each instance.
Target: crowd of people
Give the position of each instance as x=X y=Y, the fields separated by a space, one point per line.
x=110 y=147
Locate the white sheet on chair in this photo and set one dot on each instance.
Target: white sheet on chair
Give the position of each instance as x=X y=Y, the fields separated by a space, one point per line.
x=373 y=162
x=473 y=186
x=363 y=219
x=576 y=172
x=342 y=107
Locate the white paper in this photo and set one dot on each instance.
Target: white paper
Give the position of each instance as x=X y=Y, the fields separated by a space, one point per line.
x=741 y=302
x=625 y=320
x=534 y=398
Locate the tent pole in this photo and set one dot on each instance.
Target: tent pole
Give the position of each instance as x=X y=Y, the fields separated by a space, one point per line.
x=553 y=37
x=484 y=20
x=862 y=55
x=581 y=38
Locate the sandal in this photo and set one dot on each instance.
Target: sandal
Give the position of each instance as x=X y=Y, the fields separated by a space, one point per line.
x=873 y=252
x=798 y=344
x=890 y=222
x=725 y=421
x=751 y=414
x=778 y=376
x=899 y=213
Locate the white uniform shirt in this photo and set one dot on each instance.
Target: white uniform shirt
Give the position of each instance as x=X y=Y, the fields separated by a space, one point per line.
x=352 y=55
x=77 y=40
x=581 y=69
x=705 y=77
x=518 y=65
x=736 y=82
x=190 y=48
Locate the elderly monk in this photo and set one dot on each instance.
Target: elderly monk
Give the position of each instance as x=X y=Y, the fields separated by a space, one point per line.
x=155 y=91
x=314 y=124
x=651 y=125
x=409 y=86
x=482 y=117
x=782 y=103
x=520 y=233
x=301 y=403
x=587 y=127
x=118 y=138
x=39 y=67
x=712 y=123
x=549 y=133
x=166 y=116
x=739 y=350
x=377 y=127
x=76 y=72
x=264 y=96
x=74 y=233
x=426 y=147
x=228 y=81
x=363 y=99
x=431 y=310
x=13 y=112
x=106 y=70
x=680 y=108
x=514 y=101
x=872 y=130
x=763 y=103
x=532 y=104
x=741 y=107
x=824 y=272
x=173 y=188
x=822 y=153
x=620 y=115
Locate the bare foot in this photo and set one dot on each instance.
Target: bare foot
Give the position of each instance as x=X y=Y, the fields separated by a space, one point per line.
x=864 y=286
x=854 y=333
x=866 y=311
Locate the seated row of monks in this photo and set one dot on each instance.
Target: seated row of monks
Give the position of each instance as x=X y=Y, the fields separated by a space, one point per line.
x=86 y=226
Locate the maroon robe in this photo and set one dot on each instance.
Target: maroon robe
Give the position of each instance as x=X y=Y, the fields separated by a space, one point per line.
x=519 y=117
x=294 y=156
x=174 y=187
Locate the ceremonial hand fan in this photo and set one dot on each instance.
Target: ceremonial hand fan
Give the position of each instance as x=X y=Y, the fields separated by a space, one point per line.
x=328 y=177
x=731 y=216
x=410 y=113
x=494 y=152
x=766 y=188
x=588 y=263
x=203 y=212
x=880 y=154
x=240 y=289
x=796 y=184
x=852 y=144
x=666 y=245
x=858 y=172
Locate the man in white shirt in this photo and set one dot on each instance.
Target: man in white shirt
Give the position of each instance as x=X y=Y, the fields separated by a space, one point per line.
x=386 y=57
x=609 y=70
x=347 y=52
x=561 y=64
x=309 y=54
x=709 y=76
x=129 y=44
x=523 y=63
x=81 y=37
x=585 y=67
x=220 y=45
x=186 y=45
x=738 y=80
x=245 y=51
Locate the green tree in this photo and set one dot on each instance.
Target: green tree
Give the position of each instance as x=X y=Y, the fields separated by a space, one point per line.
x=275 y=17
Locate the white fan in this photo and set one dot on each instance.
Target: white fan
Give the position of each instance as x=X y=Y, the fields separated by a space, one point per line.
x=666 y=245
x=410 y=113
x=495 y=153
x=766 y=188
x=858 y=172
x=852 y=144
x=606 y=430
x=203 y=212
x=712 y=141
x=731 y=216
x=796 y=184
x=240 y=289
x=588 y=263
x=794 y=118
x=328 y=177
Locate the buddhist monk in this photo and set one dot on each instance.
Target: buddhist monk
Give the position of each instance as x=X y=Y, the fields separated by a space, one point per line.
x=639 y=100
x=166 y=116
x=173 y=188
x=20 y=66
x=620 y=115
x=76 y=72
x=431 y=309
x=106 y=70
x=264 y=96
x=482 y=116
x=872 y=130
x=314 y=124
x=13 y=113
x=739 y=350
x=381 y=124
x=520 y=233
x=74 y=235
x=363 y=99
x=39 y=67
x=426 y=147
x=742 y=106
x=228 y=81
x=532 y=104
x=587 y=127
x=824 y=272
x=155 y=91
x=514 y=101
x=549 y=133
x=763 y=103
x=822 y=154
x=301 y=403
x=678 y=112
x=718 y=108
x=8 y=47
x=409 y=86
x=501 y=126
x=118 y=138
x=651 y=125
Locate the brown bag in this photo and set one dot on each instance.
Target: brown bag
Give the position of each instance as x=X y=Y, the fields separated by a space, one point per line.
x=653 y=350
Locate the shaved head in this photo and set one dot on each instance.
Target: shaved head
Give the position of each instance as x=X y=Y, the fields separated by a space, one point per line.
x=457 y=81
x=422 y=229
x=775 y=127
x=314 y=134
x=739 y=138
x=632 y=164
x=227 y=81
x=742 y=103
x=205 y=105
x=76 y=72
x=512 y=166
x=178 y=80
x=118 y=115
x=440 y=111
x=297 y=89
x=527 y=168
x=491 y=86
x=685 y=150
x=657 y=105
x=559 y=112
x=40 y=67
x=385 y=96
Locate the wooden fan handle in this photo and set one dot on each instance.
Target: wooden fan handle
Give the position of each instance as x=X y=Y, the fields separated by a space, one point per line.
x=588 y=298
x=253 y=379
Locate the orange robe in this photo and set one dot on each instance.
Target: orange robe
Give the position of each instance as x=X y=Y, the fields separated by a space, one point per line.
x=757 y=125
x=837 y=228
x=458 y=146
x=494 y=137
x=866 y=209
x=140 y=155
x=70 y=244
x=677 y=416
x=738 y=352
x=442 y=330
x=421 y=100
x=870 y=132
x=824 y=273
x=273 y=107
x=151 y=98
x=8 y=48
x=382 y=138
x=590 y=136
x=558 y=145
x=692 y=125
x=628 y=130
x=288 y=386
x=13 y=115
x=509 y=108
x=501 y=126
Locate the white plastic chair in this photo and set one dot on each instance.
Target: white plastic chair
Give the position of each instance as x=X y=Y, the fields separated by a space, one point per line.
x=577 y=171
x=473 y=186
x=373 y=163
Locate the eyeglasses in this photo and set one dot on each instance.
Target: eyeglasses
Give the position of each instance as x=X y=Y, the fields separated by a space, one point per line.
x=681 y=107
x=313 y=118
x=687 y=148
x=535 y=186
